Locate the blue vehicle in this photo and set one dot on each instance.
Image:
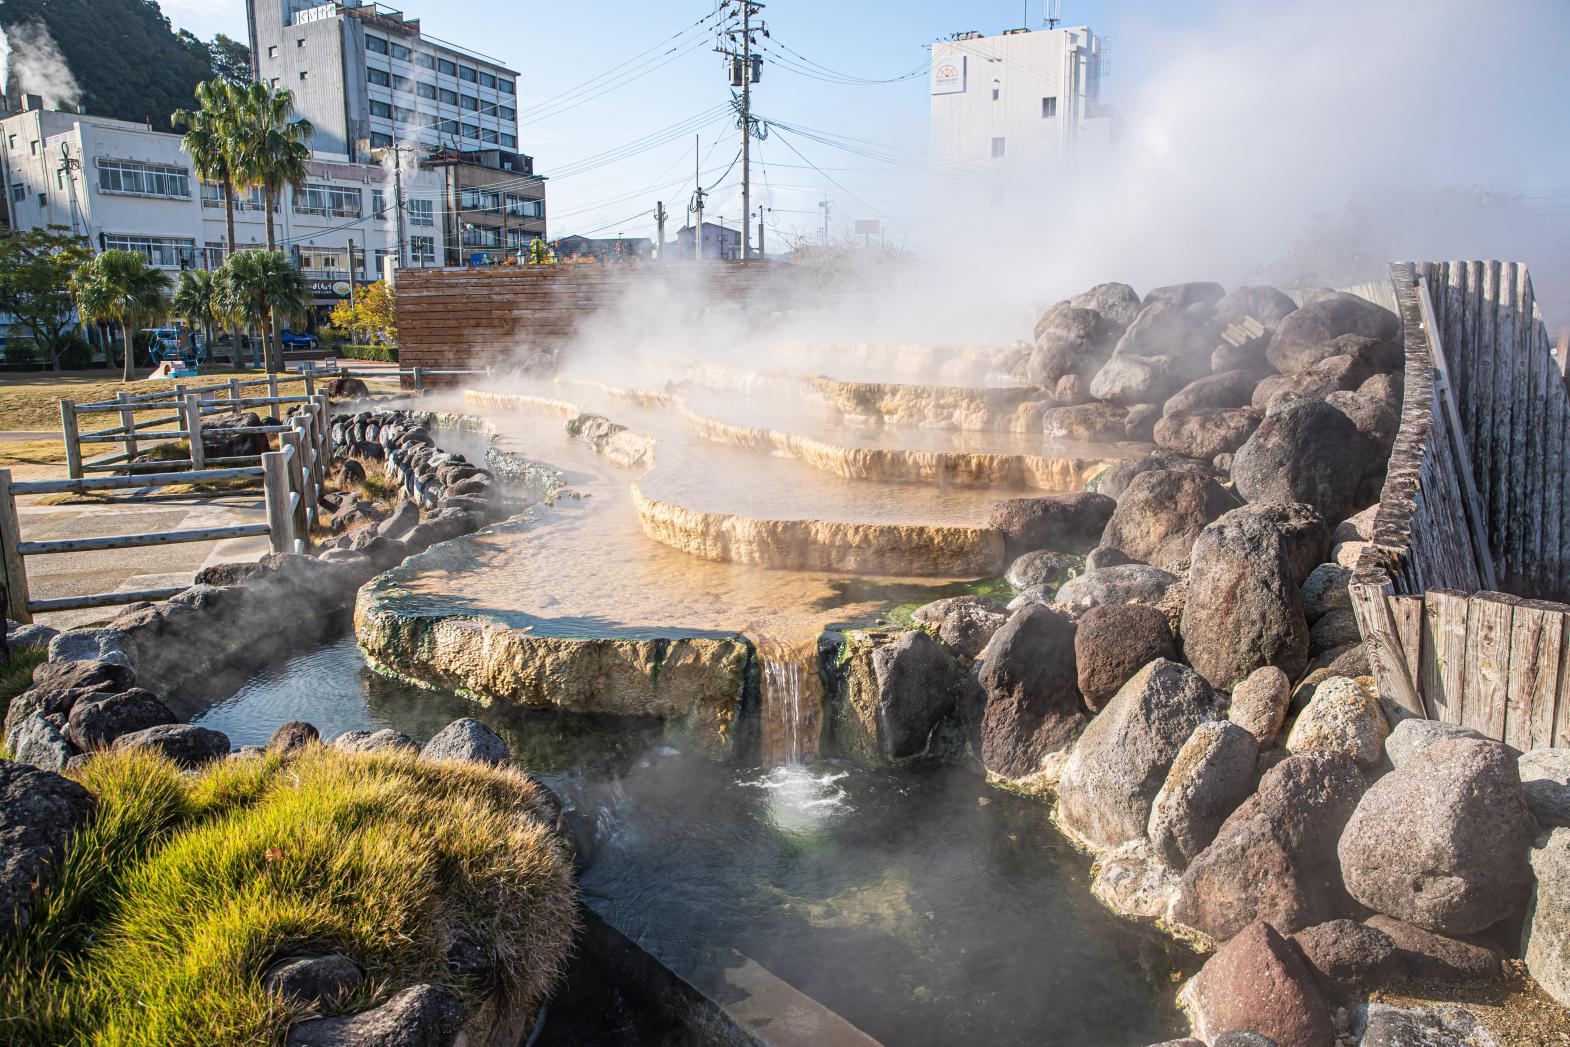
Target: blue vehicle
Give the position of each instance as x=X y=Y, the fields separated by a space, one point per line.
x=297 y=339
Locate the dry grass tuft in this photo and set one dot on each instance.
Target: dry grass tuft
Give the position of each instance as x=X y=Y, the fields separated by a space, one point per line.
x=176 y=899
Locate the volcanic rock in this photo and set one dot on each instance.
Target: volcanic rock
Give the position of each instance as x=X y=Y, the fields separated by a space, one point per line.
x=402 y=519
x=91 y=645
x=1244 y=607
x=384 y=740
x=1326 y=591
x=1184 y=295
x=1085 y=423
x=1228 y=389
x=293 y=737
x=1117 y=302
x=1121 y=761
x=1113 y=643
x=1331 y=375
x=1301 y=528
x=96 y=720
x=1102 y=557
x=1160 y=515
x=1274 y=858
x=39 y=812
x=1031 y=691
x=1349 y=957
x=967 y=628
x=1442 y=841
x=38 y=741
x=1043 y=567
x=1345 y=718
x=1212 y=774
x=323 y=978
x=1265 y=304
x=1115 y=479
x=1206 y=432
x=1324 y=319
x=1130 y=583
x=1127 y=379
x=916 y=683
x=1431 y=957
x=1306 y=452
x=1545 y=779
x=1546 y=940
x=1139 y=425
x=1259 y=983
x=421 y=1016
x=1070 y=340
x=1058 y=522
x=1383 y=1025
x=1260 y=702
x=187 y=745
x=346 y=387
x=1333 y=631
x=467 y=739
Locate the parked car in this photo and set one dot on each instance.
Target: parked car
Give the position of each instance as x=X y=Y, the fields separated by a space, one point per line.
x=297 y=339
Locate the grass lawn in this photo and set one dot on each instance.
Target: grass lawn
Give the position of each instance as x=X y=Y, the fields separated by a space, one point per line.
x=184 y=889
x=30 y=400
x=16 y=673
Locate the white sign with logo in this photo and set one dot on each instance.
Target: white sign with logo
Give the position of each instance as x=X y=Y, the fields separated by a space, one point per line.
x=948 y=76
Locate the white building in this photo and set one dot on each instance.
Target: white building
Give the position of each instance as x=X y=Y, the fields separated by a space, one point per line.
x=366 y=77
x=1025 y=100
x=720 y=241
x=122 y=185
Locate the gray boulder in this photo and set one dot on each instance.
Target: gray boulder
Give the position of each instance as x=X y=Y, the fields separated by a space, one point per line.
x=1326 y=590
x=1160 y=515
x=1085 y=423
x=1244 y=607
x=1228 y=389
x=1333 y=631
x=384 y=740
x=916 y=686
x=1303 y=531
x=1121 y=761
x=1182 y=296
x=1127 y=380
x=421 y=1016
x=1442 y=841
x=1115 y=479
x=401 y=521
x=1058 y=522
x=323 y=978
x=1305 y=452
x=292 y=737
x=1266 y=304
x=1332 y=375
x=967 y=628
x=40 y=742
x=91 y=645
x=1115 y=641
x=21 y=637
x=96 y=720
x=1546 y=938
x=1322 y=320
x=1117 y=302
x=1413 y=736
x=1070 y=340
x=1207 y=431
x=187 y=745
x=1384 y=1025
x=1129 y=583
x=1545 y=779
x=1043 y=567
x=57 y=686
x=467 y=739
x=39 y=811
x=1212 y=774
x=1032 y=702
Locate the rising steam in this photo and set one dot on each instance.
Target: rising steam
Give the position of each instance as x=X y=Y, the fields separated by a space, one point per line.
x=31 y=63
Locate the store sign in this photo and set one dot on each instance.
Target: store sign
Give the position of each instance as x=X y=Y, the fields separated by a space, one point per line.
x=948 y=76
x=329 y=289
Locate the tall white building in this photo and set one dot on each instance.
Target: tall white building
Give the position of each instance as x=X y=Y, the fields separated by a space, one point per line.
x=1025 y=100
x=123 y=185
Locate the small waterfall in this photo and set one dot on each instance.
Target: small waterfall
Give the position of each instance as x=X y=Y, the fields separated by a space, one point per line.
x=792 y=714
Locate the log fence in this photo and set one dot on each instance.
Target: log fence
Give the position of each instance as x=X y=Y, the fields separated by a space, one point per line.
x=1476 y=500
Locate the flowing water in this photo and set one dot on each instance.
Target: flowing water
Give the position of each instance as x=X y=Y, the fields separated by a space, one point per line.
x=791 y=719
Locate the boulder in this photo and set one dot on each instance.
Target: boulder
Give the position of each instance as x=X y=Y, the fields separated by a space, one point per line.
x=384 y=740
x=1212 y=774
x=1260 y=703
x=39 y=811
x=1121 y=761
x=967 y=628
x=345 y=387
x=92 y=645
x=1321 y=321
x=1115 y=479
x=1331 y=375
x=1326 y=590
x=916 y=686
x=292 y=737
x=1306 y=452
x=1377 y=419
x=1085 y=423
x=1244 y=608
x=1184 y=295
x=1246 y=355
x=467 y=739
x=1206 y=432
x=1043 y=568
x=1113 y=643
x=1351 y=660
x=1227 y=389
x=97 y=720
x=401 y=520
x=1545 y=779
x=1384 y=1025
x=187 y=745
x=1345 y=718
x=323 y=978
x=1169 y=329
x=1302 y=529
x=21 y=637
x=1348 y=957
x=441 y=526
x=1259 y=983
x=1117 y=302
x=1442 y=841
x=1129 y=583
x=933 y=613
x=1160 y=515
x=1265 y=304
x=1333 y=632
x=421 y=1016
x=1102 y=557
x=1274 y=858
x=40 y=742
x=350 y=472
x=1546 y=938
x=1139 y=425
x=1126 y=379
x=1071 y=390
x=1032 y=701
x=233 y=435
x=57 y=686
x=1070 y=340
x=1058 y=522
x=1431 y=957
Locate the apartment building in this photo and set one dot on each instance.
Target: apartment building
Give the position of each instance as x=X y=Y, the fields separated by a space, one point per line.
x=122 y=185
x=494 y=206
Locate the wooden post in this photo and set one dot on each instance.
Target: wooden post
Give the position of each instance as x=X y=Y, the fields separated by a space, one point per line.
x=310 y=378
x=234 y=390
x=193 y=427
x=128 y=421
x=272 y=384
x=297 y=483
x=275 y=492
x=15 y=568
x=68 y=432
x=419 y=379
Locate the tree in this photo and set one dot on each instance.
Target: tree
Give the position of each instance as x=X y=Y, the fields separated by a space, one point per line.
x=373 y=316
x=264 y=288
x=231 y=59
x=121 y=287
x=36 y=267
x=195 y=301
x=213 y=140
x=271 y=147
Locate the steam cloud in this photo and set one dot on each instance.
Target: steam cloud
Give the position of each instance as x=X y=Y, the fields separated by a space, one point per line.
x=31 y=63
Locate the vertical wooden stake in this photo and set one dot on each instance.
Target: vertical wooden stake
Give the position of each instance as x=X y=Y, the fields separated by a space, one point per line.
x=193 y=428
x=127 y=420
x=297 y=484
x=234 y=390
x=68 y=432
x=419 y=379
x=272 y=385
x=15 y=569
x=275 y=492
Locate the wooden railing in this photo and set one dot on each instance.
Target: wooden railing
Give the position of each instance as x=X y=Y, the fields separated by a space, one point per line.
x=1475 y=500
x=292 y=478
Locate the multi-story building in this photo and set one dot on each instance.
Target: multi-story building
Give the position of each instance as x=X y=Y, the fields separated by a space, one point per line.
x=720 y=241
x=123 y=185
x=494 y=204
x=1025 y=100
x=367 y=78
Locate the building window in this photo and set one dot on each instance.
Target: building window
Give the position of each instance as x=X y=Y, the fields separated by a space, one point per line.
x=997 y=90
x=487 y=136
x=507 y=112
x=469 y=102
x=43 y=199
x=299 y=42
x=481 y=236
x=378 y=77
x=32 y=147
x=375 y=43
x=425 y=61
x=449 y=127
x=448 y=97
x=1049 y=107
x=330 y=201
x=137 y=179
x=10 y=141
x=378 y=203
x=487 y=80
x=213 y=256
x=427 y=91
x=380 y=140
x=422 y=250
x=164 y=251
x=444 y=66
x=400 y=83
x=321 y=259
x=213 y=196
x=60 y=179
x=510 y=141
x=524 y=207
x=421 y=213
x=465 y=73
x=471 y=130
x=504 y=86
x=997 y=148
x=402 y=115
x=381 y=109
x=400 y=52
x=18 y=192
x=273 y=83
x=272 y=52
x=305 y=74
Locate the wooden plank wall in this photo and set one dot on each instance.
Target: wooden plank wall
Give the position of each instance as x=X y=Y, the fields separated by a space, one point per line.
x=523 y=316
x=1439 y=648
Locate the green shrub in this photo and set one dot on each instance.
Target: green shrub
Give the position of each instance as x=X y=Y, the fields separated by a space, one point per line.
x=76 y=353
x=16 y=674
x=182 y=891
x=383 y=353
x=22 y=353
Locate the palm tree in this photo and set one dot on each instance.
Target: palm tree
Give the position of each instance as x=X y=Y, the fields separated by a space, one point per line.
x=273 y=149
x=265 y=288
x=194 y=301
x=122 y=287
x=212 y=138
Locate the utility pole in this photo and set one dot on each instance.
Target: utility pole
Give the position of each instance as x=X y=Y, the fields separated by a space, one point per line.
x=827 y=206
x=398 y=197
x=762 y=254
x=746 y=69
x=659 y=224
x=68 y=166
x=353 y=272
x=697 y=173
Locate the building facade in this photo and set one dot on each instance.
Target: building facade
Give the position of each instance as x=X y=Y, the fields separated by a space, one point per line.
x=719 y=242
x=122 y=185
x=1023 y=100
x=494 y=204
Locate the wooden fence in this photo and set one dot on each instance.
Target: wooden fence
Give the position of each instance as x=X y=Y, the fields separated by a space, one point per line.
x=1475 y=500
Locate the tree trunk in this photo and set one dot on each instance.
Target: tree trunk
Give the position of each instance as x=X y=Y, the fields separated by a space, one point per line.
x=229 y=215
x=272 y=239
x=267 y=340
x=125 y=335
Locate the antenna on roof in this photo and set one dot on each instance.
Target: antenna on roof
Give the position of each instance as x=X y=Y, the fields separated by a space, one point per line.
x=1054 y=13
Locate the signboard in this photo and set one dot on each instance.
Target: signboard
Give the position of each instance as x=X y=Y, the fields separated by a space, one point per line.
x=868 y=227
x=948 y=76
x=330 y=289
